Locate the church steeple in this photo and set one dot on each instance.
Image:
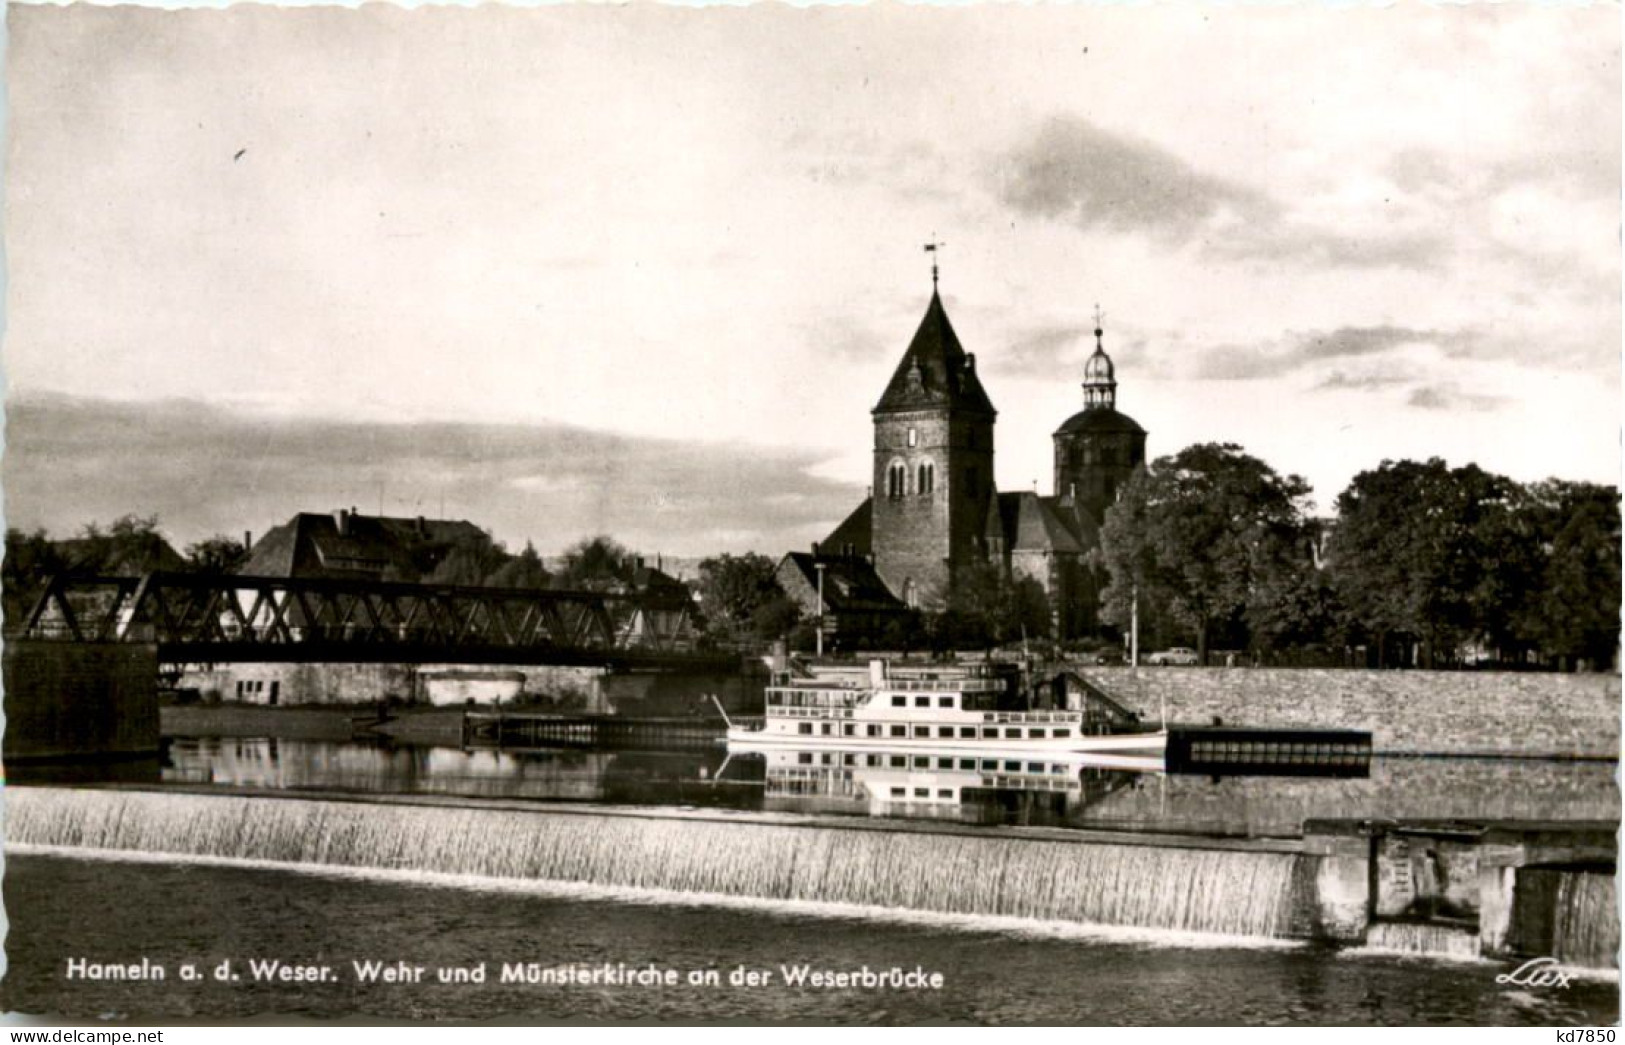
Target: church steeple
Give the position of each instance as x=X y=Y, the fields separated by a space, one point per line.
x=933 y=464
x=1099 y=376
x=936 y=371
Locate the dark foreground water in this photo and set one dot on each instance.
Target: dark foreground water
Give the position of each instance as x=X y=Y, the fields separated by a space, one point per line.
x=174 y=913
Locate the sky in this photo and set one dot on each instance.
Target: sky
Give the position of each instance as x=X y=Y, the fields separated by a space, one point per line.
x=645 y=270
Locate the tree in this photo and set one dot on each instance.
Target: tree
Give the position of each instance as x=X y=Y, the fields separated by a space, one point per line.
x=1428 y=553
x=594 y=564
x=467 y=560
x=733 y=589
x=217 y=554
x=31 y=560
x=524 y=570
x=1573 y=610
x=989 y=607
x=1209 y=536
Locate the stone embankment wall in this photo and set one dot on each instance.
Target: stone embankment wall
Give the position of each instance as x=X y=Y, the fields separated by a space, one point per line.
x=1407 y=712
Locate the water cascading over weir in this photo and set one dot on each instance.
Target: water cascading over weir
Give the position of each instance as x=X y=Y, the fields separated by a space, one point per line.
x=1256 y=890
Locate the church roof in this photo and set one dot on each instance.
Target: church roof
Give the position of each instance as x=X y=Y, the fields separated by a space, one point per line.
x=1029 y=522
x=935 y=371
x=855 y=535
x=1100 y=419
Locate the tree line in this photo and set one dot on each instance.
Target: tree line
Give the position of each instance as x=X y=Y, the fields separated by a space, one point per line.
x=1422 y=564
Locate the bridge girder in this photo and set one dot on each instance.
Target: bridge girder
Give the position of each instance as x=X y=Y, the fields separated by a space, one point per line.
x=216 y=618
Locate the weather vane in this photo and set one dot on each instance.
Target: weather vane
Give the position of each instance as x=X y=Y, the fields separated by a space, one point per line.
x=931 y=249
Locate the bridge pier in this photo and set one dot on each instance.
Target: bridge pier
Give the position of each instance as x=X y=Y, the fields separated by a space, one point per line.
x=78 y=701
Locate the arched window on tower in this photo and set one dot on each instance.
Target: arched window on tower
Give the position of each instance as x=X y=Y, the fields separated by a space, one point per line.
x=896 y=480
x=927 y=479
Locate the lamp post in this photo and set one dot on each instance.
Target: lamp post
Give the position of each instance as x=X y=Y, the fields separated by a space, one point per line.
x=1134 y=629
x=820 y=568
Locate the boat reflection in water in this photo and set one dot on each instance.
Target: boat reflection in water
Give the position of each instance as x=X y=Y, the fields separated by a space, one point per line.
x=925 y=783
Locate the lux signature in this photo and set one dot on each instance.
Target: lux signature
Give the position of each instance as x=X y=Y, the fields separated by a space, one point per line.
x=1537 y=972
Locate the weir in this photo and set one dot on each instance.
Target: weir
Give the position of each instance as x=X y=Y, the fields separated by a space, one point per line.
x=1257 y=891
x=1496 y=891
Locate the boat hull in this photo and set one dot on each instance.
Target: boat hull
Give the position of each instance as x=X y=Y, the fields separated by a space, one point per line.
x=1138 y=743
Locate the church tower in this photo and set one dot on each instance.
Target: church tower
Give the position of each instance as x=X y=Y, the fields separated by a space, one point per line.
x=1097 y=449
x=933 y=464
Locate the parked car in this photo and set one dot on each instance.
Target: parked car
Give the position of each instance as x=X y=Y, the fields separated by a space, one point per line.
x=1174 y=655
x=1106 y=656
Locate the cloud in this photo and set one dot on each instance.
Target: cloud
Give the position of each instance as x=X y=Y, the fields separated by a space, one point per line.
x=1073 y=171
x=1297 y=351
x=205 y=469
x=1338 y=380
x=1449 y=397
x=1094 y=178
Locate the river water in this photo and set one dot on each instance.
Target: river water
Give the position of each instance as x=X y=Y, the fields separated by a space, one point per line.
x=175 y=909
x=1081 y=795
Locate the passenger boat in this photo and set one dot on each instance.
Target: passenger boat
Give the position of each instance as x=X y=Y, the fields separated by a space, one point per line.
x=953 y=709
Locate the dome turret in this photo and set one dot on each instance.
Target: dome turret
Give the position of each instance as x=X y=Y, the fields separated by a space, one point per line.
x=1099 y=378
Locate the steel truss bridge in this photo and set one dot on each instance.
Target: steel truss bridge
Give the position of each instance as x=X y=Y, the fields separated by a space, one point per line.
x=197 y=618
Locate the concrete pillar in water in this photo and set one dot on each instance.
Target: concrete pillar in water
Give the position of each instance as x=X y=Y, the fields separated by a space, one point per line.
x=1497 y=885
x=1342 y=884
x=68 y=700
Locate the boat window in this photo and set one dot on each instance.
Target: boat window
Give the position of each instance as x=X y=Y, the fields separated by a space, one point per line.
x=898 y=792
x=805 y=727
x=871 y=760
x=824 y=729
x=944 y=793
x=945 y=731
x=823 y=759
x=988 y=763
x=945 y=763
x=945 y=702
x=1012 y=734
x=1036 y=734
x=899 y=702
x=967 y=763
x=899 y=731
x=1062 y=734
x=1012 y=767
x=967 y=731
x=874 y=731
x=922 y=731
x=922 y=763
x=848 y=729
x=805 y=758
x=922 y=792
x=922 y=702
x=1035 y=767
x=849 y=760
x=1058 y=769
x=988 y=733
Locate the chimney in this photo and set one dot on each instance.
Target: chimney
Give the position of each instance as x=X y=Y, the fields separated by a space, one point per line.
x=815 y=549
x=970 y=362
x=341 y=520
x=423 y=527
x=248 y=539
